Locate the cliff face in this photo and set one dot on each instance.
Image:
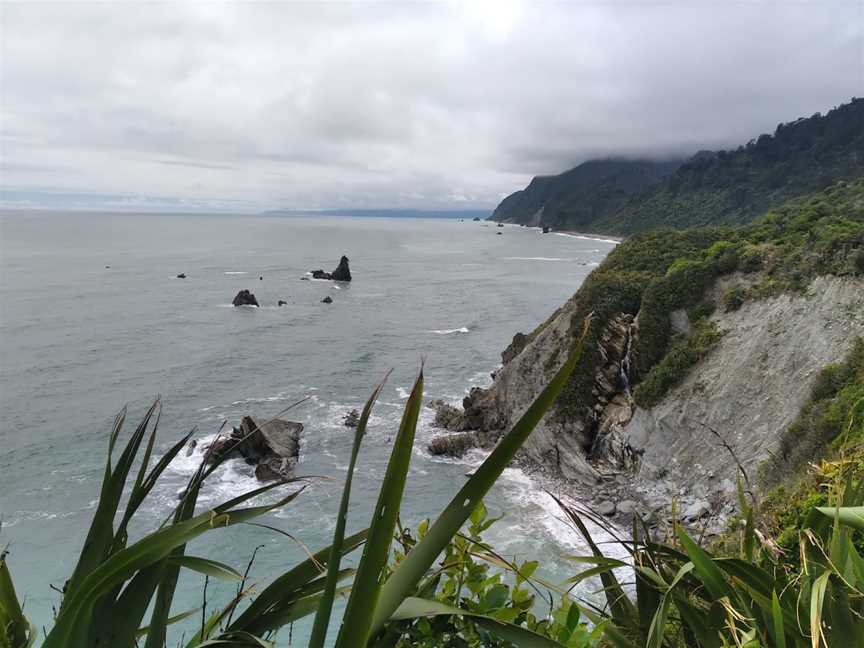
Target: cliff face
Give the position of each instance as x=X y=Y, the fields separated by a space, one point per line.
x=733 y=406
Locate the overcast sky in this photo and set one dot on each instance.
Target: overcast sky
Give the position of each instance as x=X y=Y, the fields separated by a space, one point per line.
x=370 y=104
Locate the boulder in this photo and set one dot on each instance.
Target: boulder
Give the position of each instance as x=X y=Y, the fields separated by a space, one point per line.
x=696 y=510
x=181 y=275
x=341 y=273
x=626 y=507
x=476 y=219
x=499 y=233
x=245 y=298
x=327 y=300
x=606 y=508
x=351 y=419
x=500 y=224
x=272 y=447
x=282 y=302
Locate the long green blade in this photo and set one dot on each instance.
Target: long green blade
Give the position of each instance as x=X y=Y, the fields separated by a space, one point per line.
x=357 y=622
x=406 y=576
x=325 y=608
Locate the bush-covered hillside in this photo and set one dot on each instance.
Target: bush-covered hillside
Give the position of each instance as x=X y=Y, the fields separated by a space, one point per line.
x=712 y=188
x=657 y=272
x=577 y=198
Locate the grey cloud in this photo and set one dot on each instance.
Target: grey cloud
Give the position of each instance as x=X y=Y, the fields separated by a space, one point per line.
x=402 y=104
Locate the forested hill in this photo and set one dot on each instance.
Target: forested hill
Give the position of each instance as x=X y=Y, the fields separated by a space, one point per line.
x=711 y=188
x=577 y=198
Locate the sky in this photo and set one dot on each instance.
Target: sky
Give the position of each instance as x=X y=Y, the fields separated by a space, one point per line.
x=232 y=106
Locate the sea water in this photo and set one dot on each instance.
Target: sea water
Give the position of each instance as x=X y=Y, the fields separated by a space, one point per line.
x=93 y=317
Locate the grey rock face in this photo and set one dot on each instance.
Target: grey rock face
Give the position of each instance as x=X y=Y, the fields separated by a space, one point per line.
x=453 y=445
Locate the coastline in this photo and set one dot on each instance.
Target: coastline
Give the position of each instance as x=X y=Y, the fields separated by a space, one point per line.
x=586 y=236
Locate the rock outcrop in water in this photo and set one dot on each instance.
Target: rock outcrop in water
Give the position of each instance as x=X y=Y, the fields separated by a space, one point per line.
x=272 y=447
x=245 y=298
x=341 y=273
x=352 y=419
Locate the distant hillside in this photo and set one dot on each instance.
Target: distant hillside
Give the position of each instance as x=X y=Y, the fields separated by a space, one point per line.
x=577 y=198
x=711 y=188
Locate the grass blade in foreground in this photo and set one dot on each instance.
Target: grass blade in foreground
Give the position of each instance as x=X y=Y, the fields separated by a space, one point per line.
x=322 y=615
x=357 y=622
x=423 y=555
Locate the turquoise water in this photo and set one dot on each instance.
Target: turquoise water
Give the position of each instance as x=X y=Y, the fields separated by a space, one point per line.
x=78 y=340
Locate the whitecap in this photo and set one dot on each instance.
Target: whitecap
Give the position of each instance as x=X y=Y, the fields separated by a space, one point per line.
x=233 y=272
x=463 y=329
x=402 y=393
x=588 y=238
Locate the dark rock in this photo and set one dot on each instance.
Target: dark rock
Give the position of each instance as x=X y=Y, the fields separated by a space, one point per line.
x=245 y=298
x=282 y=302
x=476 y=219
x=351 y=419
x=272 y=447
x=261 y=278
x=448 y=417
x=327 y=300
x=499 y=233
x=520 y=341
x=500 y=224
x=304 y=278
x=181 y=276
x=453 y=445
x=341 y=273
x=546 y=229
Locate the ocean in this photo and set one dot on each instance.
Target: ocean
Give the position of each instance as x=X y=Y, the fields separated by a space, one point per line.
x=93 y=317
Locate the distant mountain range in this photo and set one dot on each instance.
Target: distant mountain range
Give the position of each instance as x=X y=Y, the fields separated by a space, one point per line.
x=619 y=196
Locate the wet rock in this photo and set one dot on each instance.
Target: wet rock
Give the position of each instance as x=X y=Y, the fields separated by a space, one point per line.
x=351 y=419
x=499 y=233
x=282 y=302
x=245 y=298
x=453 y=445
x=476 y=219
x=500 y=224
x=273 y=447
x=327 y=300
x=341 y=273
x=181 y=275
x=546 y=229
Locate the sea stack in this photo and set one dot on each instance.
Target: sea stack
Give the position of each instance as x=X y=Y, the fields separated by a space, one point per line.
x=245 y=298
x=341 y=273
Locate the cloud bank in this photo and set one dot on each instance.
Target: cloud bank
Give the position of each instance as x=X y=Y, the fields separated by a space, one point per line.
x=410 y=104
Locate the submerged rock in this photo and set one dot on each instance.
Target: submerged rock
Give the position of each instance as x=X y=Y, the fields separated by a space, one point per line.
x=272 y=447
x=341 y=273
x=245 y=298
x=351 y=419
x=327 y=300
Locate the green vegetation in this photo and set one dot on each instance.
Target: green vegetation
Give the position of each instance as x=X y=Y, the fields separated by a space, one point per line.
x=658 y=272
x=683 y=354
x=711 y=188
